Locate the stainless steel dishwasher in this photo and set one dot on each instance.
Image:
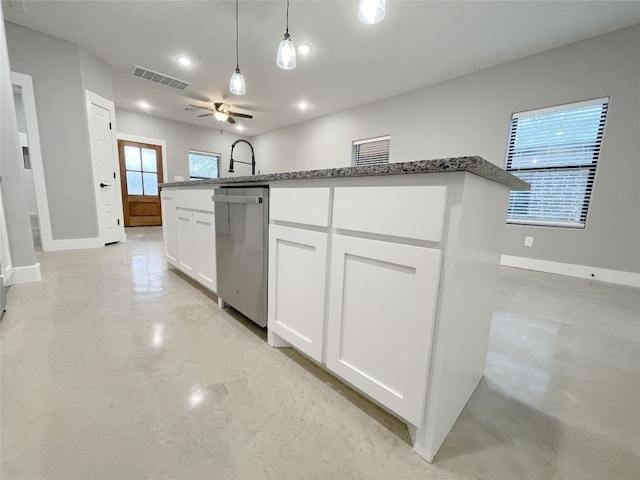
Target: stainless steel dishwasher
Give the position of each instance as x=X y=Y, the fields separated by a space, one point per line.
x=242 y=217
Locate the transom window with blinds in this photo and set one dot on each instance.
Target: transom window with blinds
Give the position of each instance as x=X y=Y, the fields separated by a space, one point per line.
x=371 y=151
x=556 y=150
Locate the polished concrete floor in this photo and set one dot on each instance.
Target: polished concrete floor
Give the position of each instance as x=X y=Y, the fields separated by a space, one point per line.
x=116 y=367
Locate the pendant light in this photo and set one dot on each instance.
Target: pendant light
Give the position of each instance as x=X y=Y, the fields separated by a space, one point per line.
x=286 y=58
x=371 y=11
x=236 y=85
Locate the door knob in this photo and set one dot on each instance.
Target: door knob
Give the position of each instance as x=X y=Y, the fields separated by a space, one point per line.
x=102 y=185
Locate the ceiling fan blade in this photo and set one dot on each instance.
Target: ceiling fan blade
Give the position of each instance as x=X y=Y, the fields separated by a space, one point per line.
x=217 y=105
x=242 y=115
x=231 y=120
x=199 y=106
x=205 y=115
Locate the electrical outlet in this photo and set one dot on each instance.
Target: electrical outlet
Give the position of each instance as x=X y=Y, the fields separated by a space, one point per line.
x=528 y=241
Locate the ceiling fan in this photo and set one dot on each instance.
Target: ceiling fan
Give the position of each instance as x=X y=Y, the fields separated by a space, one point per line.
x=222 y=112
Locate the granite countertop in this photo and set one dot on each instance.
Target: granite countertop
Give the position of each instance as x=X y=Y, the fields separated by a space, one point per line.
x=476 y=165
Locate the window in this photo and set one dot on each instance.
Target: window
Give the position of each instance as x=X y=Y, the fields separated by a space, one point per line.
x=141 y=168
x=556 y=150
x=371 y=151
x=203 y=165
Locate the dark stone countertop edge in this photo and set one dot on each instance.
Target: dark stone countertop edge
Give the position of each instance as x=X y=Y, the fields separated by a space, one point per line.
x=476 y=165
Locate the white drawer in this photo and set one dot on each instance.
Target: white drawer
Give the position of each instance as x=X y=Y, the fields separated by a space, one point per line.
x=415 y=212
x=195 y=198
x=308 y=206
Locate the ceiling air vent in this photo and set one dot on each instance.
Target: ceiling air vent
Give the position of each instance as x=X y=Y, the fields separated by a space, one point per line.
x=160 y=78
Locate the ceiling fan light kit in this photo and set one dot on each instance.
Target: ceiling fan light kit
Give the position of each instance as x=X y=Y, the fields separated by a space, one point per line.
x=286 y=57
x=221 y=112
x=236 y=84
x=221 y=116
x=371 y=11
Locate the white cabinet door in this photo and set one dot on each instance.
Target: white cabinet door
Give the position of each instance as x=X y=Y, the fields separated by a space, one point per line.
x=205 y=249
x=297 y=286
x=169 y=227
x=186 y=248
x=382 y=308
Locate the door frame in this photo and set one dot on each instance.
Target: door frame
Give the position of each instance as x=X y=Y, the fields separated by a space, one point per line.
x=25 y=82
x=95 y=99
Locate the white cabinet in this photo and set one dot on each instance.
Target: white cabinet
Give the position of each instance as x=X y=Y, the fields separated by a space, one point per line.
x=297 y=286
x=204 y=235
x=185 y=241
x=169 y=227
x=382 y=309
x=188 y=227
x=305 y=206
x=197 y=246
x=396 y=211
x=367 y=309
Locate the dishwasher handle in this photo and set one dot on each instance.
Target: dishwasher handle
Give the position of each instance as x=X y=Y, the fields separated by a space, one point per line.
x=236 y=199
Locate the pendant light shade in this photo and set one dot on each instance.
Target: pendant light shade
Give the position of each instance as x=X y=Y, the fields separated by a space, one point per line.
x=371 y=11
x=236 y=84
x=286 y=57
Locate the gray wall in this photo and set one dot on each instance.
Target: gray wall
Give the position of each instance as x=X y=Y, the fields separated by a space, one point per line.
x=181 y=138
x=57 y=71
x=96 y=74
x=14 y=200
x=470 y=115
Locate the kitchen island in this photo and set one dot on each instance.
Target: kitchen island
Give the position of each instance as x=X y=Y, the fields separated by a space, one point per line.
x=383 y=274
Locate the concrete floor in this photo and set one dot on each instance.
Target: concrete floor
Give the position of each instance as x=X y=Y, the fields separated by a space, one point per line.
x=116 y=367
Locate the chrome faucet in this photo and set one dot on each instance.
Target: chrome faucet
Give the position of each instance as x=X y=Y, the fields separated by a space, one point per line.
x=253 y=158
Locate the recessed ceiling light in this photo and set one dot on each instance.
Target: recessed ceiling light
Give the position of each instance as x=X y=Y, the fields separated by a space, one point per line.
x=143 y=104
x=184 y=61
x=303 y=105
x=304 y=49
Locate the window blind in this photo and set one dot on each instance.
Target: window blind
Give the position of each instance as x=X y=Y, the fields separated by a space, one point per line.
x=372 y=151
x=203 y=165
x=556 y=150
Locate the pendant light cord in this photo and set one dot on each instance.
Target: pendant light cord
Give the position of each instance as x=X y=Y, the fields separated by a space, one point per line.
x=287 y=16
x=237 y=50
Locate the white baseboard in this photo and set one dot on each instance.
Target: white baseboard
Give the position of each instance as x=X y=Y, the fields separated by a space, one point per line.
x=581 y=271
x=27 y=274
x=74 y=244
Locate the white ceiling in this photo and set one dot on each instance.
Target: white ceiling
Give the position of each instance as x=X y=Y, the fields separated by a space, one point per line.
x=417 y=44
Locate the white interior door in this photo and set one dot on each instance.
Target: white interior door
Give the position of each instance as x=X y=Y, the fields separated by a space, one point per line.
x=30 y=136
x=104 y=173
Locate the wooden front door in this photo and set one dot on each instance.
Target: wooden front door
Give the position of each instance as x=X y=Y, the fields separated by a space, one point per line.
x=140 y=174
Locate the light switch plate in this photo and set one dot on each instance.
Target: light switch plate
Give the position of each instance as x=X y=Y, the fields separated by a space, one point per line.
x=528 y=241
